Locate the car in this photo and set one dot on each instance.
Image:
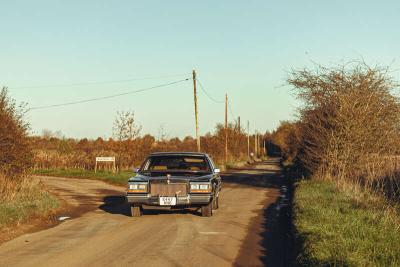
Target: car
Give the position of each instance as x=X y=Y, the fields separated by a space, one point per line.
x=176 y=180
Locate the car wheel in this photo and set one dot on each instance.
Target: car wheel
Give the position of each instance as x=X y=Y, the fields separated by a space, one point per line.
x=136 y=210
x=206 y=211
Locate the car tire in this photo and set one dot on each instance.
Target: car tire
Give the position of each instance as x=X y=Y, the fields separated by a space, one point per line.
x=136 y=210
x=206 y=210
x=216 y=203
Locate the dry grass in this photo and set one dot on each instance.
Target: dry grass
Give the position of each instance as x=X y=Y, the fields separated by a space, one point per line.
x=11 y=188
x=21 y=198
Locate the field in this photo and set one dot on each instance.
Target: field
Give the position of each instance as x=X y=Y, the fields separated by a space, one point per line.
x=334 y=229
x=119 y=178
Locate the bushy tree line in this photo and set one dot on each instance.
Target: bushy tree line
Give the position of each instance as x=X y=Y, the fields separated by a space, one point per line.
x=130 y=150
x=348 y=127
x=284 y=141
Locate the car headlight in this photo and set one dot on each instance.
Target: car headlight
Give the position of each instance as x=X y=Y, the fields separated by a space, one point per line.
x=200 y=188
x=137 y=188
x=194 y=187
x=204 y=187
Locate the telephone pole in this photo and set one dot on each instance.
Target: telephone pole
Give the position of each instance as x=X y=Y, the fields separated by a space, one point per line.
x=226 y=128
x=264 y=147
x=248 y=140
x=239 y=125
x=196 y=114
x=255 y=144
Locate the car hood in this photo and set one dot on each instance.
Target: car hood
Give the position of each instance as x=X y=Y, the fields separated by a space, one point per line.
x=145 y=178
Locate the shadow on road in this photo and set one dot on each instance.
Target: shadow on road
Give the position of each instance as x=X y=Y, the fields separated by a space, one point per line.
x=158 y=211
x=116 y=204
x=265 y=180
x=270 y=239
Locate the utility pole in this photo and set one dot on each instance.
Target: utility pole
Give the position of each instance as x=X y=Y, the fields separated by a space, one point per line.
x=196 y=114
x=226 y=128
x=248 y=140
x=255 y=144
x=239 y=124
x=264 y=147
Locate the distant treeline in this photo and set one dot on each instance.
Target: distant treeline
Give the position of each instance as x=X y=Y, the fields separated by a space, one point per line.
x=57 y=152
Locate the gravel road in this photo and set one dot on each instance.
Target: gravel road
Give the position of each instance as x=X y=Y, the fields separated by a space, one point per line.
x=102 y=233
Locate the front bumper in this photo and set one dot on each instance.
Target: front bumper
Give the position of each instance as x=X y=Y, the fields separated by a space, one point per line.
x=189 y=200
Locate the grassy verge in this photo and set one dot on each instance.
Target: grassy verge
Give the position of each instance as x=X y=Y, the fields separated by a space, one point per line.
x=231 y=165
x=335 y=230
x=120 y=178
x=28 y=200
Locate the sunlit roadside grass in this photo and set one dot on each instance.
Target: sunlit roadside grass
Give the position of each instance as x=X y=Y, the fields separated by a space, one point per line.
x=335 y=230
x=232 y=165
x=23 y=198
x=119 y=178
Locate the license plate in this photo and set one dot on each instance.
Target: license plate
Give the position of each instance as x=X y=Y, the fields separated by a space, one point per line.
x=167 y=201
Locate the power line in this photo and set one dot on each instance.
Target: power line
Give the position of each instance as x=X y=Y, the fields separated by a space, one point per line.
x=109 y=96
x=230 y=110
x=207 y=94
x=97 y=83
x=213 y=99
x=281 y=86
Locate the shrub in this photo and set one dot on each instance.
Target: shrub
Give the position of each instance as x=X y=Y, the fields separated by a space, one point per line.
x=20 y=196
x=349 y=123
x=15 y=152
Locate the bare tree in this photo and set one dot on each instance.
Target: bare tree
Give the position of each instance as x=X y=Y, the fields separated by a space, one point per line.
x=125 y=131
x=125 y=127
x=162 y=136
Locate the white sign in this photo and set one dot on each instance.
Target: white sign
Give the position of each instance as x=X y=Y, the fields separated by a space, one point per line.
x=105 y=159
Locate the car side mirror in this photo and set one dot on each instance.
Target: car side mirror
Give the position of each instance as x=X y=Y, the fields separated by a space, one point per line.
x=217 y=170
x=136 y=170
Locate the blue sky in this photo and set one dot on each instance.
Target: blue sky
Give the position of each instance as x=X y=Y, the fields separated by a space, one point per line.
x=243 y=48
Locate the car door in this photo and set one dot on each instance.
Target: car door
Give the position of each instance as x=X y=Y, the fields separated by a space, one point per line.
x=216 y=176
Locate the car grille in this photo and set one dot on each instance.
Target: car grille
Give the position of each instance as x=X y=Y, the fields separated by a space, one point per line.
x=168 y=190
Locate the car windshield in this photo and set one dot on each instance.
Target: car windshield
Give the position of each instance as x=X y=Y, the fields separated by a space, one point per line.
x=176 y=164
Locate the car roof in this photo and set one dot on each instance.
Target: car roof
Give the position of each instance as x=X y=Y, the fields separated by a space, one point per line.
x=178 y=154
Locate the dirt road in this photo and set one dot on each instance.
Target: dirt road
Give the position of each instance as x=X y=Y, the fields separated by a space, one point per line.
x=105 y=235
